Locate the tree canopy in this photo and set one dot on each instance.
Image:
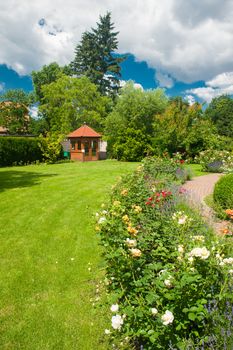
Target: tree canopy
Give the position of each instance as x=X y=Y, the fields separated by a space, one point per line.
x=95 y=58
x=14 y=111
x=46 y=75
x=133 y=117
x=68 y=102
x=220 y=110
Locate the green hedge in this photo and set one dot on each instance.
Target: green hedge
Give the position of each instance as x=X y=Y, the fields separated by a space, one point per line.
x=19 y=150
x=223 y=192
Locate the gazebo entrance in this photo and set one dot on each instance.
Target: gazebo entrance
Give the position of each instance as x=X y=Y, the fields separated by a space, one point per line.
x=84 y=144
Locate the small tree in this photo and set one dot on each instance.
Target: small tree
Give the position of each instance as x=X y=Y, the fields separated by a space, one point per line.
x=51 y=146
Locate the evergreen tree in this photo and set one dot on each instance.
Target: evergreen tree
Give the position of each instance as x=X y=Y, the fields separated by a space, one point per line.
x=95 y=58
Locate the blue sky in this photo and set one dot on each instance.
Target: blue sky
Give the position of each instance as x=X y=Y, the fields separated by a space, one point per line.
x=139 y=72
x=182 y=46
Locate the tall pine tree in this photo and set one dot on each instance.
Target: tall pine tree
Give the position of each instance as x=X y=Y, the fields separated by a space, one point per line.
x=95 y=58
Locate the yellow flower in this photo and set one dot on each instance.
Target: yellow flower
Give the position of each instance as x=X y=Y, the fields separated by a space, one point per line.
x=116 y=203
x=124 y=192
x=125 y=218
x=132 y=230
x=137 y=209
x=97 y=228
x=136 y=253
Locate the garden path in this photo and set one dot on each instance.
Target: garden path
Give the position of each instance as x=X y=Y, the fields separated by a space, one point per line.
x=199 y=188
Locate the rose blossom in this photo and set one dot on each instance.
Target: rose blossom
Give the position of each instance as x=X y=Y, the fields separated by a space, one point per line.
x=114 y=308
x=154 y=311
x=167 y=317
x=202 y=253
x=117 y=322
x=135 y=252
x=131 y=243
x=168 y=283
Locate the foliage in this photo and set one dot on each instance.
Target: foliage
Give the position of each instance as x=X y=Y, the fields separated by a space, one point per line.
x=14 y=111
x=215 y=161
x=45 y=76
x=220 y=110
x=69 y=102
x=51 y=147
x=135 y=109
x=165 y=168
x=223 y=192
x=183 y=128
x=17 y=96
x=164 y=268
x=132 y=145
x=51 y=264
x=19 y=150
x=95 y=58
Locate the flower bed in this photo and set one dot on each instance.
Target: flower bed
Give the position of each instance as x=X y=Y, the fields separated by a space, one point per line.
x=216 y=161
x=168 y=275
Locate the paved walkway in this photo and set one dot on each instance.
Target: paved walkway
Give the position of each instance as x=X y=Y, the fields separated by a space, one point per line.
x=199 y=188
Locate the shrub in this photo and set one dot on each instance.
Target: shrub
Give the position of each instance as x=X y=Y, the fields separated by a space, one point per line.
x=216 y=161
x=51 y=147
x=164 y=268
x=166 y=168
x=223 y=192
x=19 y=150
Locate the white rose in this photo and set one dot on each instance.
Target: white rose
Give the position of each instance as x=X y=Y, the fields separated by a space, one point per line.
x=114 y=308
x=201 y=253
x=180 y=249
x=117 y=322
x=168 y=283
x=101 y=220
x=154 y=311
x=167 y=318
x=136 y=253
x=228 y=261
x=182 y=220
x=131 y=242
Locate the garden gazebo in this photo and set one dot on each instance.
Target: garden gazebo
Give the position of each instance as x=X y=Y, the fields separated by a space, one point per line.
x=84 y=144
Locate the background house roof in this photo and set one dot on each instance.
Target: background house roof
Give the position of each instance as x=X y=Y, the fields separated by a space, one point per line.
x=84 y=131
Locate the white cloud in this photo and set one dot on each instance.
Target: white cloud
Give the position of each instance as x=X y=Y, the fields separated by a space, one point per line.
x=190 y=99
x=221 y=84
x=136 y=85
x=33 y=112
x=222 y=80
x=2 y=87
x=189 y=40
x=164 y=80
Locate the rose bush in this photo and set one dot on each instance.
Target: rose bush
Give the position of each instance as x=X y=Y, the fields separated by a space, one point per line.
x=216 y=161
x=164 y=267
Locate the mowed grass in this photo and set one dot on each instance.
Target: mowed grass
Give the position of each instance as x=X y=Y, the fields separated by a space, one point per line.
x=47 y=244
x=196 y=169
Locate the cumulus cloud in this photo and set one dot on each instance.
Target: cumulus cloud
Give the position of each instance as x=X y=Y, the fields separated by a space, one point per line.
x=190 y=99
x=164 y=80
x=2 y=86
x=33 y=111
x=188 y=40
x=136 y=85
x=221 y=84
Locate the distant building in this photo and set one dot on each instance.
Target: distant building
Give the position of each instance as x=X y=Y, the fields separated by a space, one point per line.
x=3 y=131
x=9 y=108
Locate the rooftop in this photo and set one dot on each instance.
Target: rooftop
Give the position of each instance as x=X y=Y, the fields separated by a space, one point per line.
x=84 y=131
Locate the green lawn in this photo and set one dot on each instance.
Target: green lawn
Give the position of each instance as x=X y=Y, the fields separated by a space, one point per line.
x=47 y=240
x=196 y=169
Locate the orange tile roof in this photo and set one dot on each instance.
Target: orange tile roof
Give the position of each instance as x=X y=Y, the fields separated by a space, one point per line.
x=84 y=131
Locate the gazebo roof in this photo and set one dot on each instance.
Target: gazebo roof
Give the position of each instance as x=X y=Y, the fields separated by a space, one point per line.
x=84 y=131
